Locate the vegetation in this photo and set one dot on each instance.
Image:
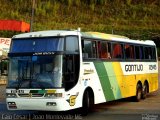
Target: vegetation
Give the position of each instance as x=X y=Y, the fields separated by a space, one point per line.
x=137 y=19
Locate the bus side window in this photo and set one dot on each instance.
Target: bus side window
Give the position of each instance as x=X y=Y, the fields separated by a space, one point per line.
x=129 y=51
x=148 y=53
x=137 y=52
x=89 y=49
x=86 y=48
x=141 y=53
x=102 y=50
x=117 y=51
x=109 y=55
x=72 y=44
x=94 y=49
x=153 y=53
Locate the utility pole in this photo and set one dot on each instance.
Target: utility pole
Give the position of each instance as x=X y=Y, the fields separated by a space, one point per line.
x=112 y=29
x=32 y=15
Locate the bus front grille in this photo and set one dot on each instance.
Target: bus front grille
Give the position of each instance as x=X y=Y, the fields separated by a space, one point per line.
x=31 y=95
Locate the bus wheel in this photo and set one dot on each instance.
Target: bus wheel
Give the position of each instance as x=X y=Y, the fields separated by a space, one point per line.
x=88 y=103
x=144 y=91
x=138 y=93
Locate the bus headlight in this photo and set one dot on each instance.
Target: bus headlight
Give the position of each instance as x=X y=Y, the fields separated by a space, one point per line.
x=11 y=95
x=51 y=95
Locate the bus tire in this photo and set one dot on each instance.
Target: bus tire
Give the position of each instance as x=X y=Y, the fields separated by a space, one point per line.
x=88 y=103
x=144 y=91
x=138 y=93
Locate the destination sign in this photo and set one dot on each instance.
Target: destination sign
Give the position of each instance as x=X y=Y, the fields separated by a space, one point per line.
x=44 y=53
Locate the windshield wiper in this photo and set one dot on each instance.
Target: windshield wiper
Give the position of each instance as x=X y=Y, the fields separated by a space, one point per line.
x=21 y=81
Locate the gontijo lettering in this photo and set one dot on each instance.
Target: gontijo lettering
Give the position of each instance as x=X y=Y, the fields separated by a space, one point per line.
x=134 y=67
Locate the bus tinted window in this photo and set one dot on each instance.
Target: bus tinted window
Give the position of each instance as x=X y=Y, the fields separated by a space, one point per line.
x=103 y=50
x=37 y=45
x=117 y=50
x=109 y=50
x=150 y=53
x=153 y=53
x=89 y=49
x=137 y=52
x=147 y=52
x=94 y=49
x=129 y=51
x=141 y=52
x=72 y=44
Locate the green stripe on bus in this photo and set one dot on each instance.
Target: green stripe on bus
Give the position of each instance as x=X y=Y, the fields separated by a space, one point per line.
x=38 y=91
x=113 y=80
x=33 y=91
x=103 y=76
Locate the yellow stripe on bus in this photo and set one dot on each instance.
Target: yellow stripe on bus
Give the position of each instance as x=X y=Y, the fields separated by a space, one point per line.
x=51 y=91
x=127 y=83
x=119 y=76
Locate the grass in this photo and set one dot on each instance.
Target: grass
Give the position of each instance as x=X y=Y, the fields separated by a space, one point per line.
x=133 y=18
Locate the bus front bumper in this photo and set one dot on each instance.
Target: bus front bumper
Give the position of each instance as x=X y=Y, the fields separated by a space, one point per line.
x=45 y=104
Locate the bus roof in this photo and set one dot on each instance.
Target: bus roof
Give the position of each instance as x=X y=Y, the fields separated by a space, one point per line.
x=48 y=33
x=104 y=36
x=92 y=35
x=117 y=38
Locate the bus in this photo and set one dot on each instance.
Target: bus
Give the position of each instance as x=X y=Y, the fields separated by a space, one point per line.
x=60 y=70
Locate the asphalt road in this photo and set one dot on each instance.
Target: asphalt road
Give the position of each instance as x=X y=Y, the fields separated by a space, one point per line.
x=125 y=109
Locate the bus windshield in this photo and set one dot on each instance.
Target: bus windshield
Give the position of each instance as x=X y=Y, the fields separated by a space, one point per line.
x=37 y=45
x=43 y=62
x=35 y=72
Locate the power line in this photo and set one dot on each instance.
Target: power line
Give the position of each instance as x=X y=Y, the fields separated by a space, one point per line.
x=32 y=15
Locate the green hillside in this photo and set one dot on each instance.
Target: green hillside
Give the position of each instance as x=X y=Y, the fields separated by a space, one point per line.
x=137 y=19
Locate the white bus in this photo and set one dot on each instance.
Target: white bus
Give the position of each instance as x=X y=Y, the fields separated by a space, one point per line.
x=61 y=70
